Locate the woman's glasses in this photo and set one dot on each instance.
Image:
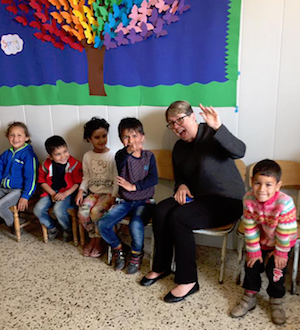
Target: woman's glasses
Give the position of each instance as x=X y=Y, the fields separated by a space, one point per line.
x=178 y=121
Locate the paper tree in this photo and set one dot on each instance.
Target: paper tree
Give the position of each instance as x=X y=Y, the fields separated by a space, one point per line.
x=96 y=26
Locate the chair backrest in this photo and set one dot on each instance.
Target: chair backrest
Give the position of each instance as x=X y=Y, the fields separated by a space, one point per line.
x=165 y=166
x=241 y=166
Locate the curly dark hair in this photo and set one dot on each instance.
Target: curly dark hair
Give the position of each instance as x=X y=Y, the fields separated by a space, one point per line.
x=92 y=125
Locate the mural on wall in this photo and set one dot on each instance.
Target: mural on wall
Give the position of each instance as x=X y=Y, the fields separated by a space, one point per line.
x=53 y=51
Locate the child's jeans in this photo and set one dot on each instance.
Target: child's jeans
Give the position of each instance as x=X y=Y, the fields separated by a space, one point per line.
x=8 y=198
x=138 y=211
x=59 y=209
x=92 y=209
x=276 y=277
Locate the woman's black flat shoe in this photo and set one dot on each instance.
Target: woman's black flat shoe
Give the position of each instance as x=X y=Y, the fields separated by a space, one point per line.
x=170 y=298
x=149 y=281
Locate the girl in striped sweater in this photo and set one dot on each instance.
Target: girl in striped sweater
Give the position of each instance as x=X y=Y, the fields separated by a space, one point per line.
x=270 y=224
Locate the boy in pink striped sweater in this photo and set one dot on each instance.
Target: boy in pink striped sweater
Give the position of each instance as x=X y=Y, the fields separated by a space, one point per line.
x=270 y=224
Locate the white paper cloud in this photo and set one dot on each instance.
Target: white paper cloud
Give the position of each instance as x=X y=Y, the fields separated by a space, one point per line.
x=11 y=44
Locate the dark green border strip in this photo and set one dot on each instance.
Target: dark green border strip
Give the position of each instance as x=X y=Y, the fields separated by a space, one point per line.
x=217 y=94
x=233 y=34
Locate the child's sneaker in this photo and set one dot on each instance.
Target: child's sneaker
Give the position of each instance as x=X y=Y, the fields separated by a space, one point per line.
x=135 y=262
x=246 y=304
x=277 y=312
x=67 y=236
x=119 y=257
x=52 y=233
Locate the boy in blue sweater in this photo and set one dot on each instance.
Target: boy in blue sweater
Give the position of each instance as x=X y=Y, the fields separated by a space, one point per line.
x=18 y=167
x=137 y=176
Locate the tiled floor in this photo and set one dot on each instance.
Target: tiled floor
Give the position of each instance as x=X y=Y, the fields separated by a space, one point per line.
x=52 y=286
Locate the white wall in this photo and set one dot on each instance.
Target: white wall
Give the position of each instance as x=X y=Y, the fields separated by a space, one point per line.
x=269 y=116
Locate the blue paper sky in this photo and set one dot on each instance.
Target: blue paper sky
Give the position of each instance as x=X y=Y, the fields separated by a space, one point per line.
x=193 y=51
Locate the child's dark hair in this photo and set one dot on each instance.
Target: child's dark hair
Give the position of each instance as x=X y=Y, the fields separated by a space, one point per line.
x=268 y=167
x=53 y=143
x=130 y=124
x=18 y=124
x=92 y=125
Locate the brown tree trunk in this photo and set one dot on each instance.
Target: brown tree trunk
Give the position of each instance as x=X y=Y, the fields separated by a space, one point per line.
x=95 y=59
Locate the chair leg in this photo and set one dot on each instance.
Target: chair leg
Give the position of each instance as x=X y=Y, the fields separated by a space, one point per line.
x=240 y=247
x=17 y=223
x=73 y=214
x=45 y=233
x=173 y=264
x=109 y=255
x=81 y=234
x=223 y=257
x=295 y=267
x=152 y=247
x=74 y=230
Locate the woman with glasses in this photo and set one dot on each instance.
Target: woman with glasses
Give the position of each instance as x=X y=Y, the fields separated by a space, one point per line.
x=208 y=193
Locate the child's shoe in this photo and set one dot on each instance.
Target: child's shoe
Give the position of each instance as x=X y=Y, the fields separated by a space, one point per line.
x=247 y=303
x=135 y=262
x=67 y=236
x=119 y=257
x=277 y=312
x=52 y=233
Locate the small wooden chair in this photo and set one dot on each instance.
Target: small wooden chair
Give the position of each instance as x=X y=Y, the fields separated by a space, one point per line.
x=290 y=180
x=224 y=231
x=165 y=171
x=28 y=213
x=73 y=214
x=17 y=225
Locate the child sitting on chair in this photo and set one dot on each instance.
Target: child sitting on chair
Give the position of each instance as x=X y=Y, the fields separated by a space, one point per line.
x=99 y=184
x=270 y=233
x=17 y=172
x=59 y=175
x=137 y=178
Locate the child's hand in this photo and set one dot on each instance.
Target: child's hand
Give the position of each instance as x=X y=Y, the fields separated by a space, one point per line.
x=252 y=261
x=134 y=146
x=181 y=193
x=60 y=196
x=280 y=262
x=79 y=198
x=125 y=184
x=22 y=204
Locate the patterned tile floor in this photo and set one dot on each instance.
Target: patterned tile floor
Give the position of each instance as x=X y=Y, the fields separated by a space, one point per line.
x=52 y=286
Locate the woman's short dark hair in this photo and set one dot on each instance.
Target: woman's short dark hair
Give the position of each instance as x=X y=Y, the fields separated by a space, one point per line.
x=92 y=125
x=53 y=143
x=179 y=107
x=130 y=124
x=267 y=167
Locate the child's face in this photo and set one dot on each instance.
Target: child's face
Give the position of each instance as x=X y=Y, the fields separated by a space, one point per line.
x=131 y=138
x=17 y=137
x=60 y=155
x=264 y=187
x=99 y=140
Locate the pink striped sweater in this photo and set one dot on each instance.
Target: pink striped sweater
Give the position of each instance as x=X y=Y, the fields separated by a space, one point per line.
x=269 y=225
